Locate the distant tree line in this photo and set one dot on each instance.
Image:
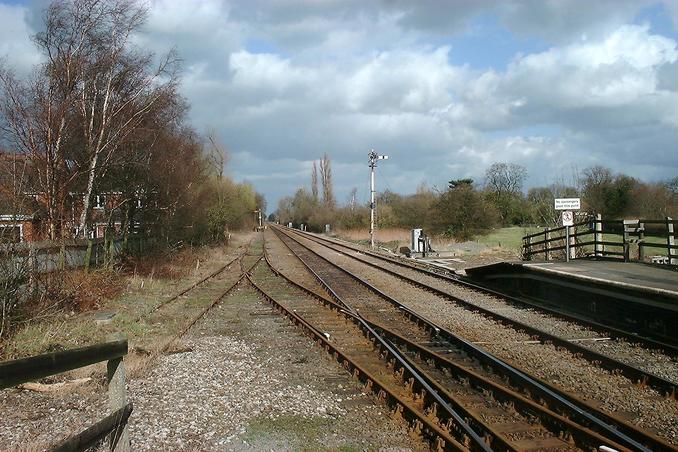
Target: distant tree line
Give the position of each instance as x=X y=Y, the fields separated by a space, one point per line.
x=465 y=209
x=103 y=116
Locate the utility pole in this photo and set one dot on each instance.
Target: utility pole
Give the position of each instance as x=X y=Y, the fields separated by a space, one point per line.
x=373 y=156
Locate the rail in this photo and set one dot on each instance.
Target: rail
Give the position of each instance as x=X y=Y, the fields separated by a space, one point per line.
x=614 y=239
x=659 y=384
x=23 y=370
x=609 y=426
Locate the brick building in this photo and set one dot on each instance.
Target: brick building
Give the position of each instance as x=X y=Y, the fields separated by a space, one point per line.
x=22 y=206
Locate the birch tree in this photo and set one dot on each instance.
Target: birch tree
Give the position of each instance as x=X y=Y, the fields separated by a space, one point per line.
x=37 y=111
x=117 y=88
x=76 y=111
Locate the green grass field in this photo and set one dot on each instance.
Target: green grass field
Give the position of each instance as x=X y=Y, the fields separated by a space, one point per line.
x=511 y=237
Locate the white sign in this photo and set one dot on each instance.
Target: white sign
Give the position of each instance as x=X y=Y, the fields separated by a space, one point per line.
x=567 y=216
x=568 y=203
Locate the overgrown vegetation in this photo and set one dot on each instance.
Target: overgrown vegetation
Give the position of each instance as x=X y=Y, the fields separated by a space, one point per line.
x=466 y=209
x=97 y=138
x=64 y=315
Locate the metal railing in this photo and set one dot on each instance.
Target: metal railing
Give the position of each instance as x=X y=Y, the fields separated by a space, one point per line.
x=114 y=425
x=616 y=239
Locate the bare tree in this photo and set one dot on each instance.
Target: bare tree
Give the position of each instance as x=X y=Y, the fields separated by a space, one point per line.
x=505 y=178
x=314 y=182
x=117 y=89
x=326 y=179
x=93 y=90
x=504 y=184
x=37 y=117
x=353 y=199
x=218 y=154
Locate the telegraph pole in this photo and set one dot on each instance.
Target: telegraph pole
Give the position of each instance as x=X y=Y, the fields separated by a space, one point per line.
x=373 y=156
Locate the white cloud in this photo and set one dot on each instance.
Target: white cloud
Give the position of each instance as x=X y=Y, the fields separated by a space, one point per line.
x=597 y=81
x=432 y=116
x=15 y=42
x=402 y=81
x=285 y=81
x=267 y=72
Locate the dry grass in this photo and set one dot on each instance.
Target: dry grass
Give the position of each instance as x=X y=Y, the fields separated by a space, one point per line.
x=129 y=294
x=498 y=240
x=383 y=235
x=160 y=264
x=89 y=290
x=393 y=238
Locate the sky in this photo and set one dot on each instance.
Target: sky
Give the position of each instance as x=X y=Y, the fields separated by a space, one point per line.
x=445 y=88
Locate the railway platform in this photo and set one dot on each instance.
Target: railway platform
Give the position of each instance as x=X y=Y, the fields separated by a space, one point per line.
x=638 y=297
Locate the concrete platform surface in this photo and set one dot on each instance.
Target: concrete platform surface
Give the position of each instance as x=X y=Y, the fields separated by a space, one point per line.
x=622 y=274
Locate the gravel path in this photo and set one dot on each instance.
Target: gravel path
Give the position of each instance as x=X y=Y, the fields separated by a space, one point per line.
x=641 y=406
x=251 y=382
x=34 y=421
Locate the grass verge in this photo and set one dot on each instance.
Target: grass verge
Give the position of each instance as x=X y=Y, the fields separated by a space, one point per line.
x=139 y=292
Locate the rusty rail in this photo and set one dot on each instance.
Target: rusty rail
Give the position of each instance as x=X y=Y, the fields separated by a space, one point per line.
x=609 y=426
x=633 y=373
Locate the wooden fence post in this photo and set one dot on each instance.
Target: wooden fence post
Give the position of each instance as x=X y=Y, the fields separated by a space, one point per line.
x=62 y=255
x=111 y=251
x=625 y=242
x=671 y=241
x=598 y=247
x=641 y=241
x=547 y=244
x=527 y=246
x=117 y=398
x=88 y=255
x=32 y=268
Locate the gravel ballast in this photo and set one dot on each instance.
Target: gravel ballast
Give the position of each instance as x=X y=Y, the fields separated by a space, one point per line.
x=243 y=378
x=642 y=406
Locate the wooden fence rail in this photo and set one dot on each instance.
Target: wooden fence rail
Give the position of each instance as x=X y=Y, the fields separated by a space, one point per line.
x=607 y=238
x=23 y=370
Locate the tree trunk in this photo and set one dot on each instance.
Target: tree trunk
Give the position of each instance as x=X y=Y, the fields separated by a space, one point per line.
x=86 y=205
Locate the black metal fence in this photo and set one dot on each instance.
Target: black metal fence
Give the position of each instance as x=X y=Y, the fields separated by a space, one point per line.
x=627 y=240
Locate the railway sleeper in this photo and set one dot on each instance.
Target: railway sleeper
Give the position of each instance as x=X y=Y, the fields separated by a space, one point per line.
x=432 y=432
x=640 y=437
x=665 y=387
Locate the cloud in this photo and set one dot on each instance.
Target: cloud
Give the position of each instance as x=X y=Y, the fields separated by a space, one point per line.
x=561 y=21
x=283 y=82
x=619 y=72
x=15 y=43
x=438 y=120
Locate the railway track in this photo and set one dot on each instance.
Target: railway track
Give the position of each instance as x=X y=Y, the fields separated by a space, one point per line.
x=245 y=268
x=445 y=276
x=236 y=260
x=329 y=327
x=494 y=306
x=507 y=407
x=409 y=388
